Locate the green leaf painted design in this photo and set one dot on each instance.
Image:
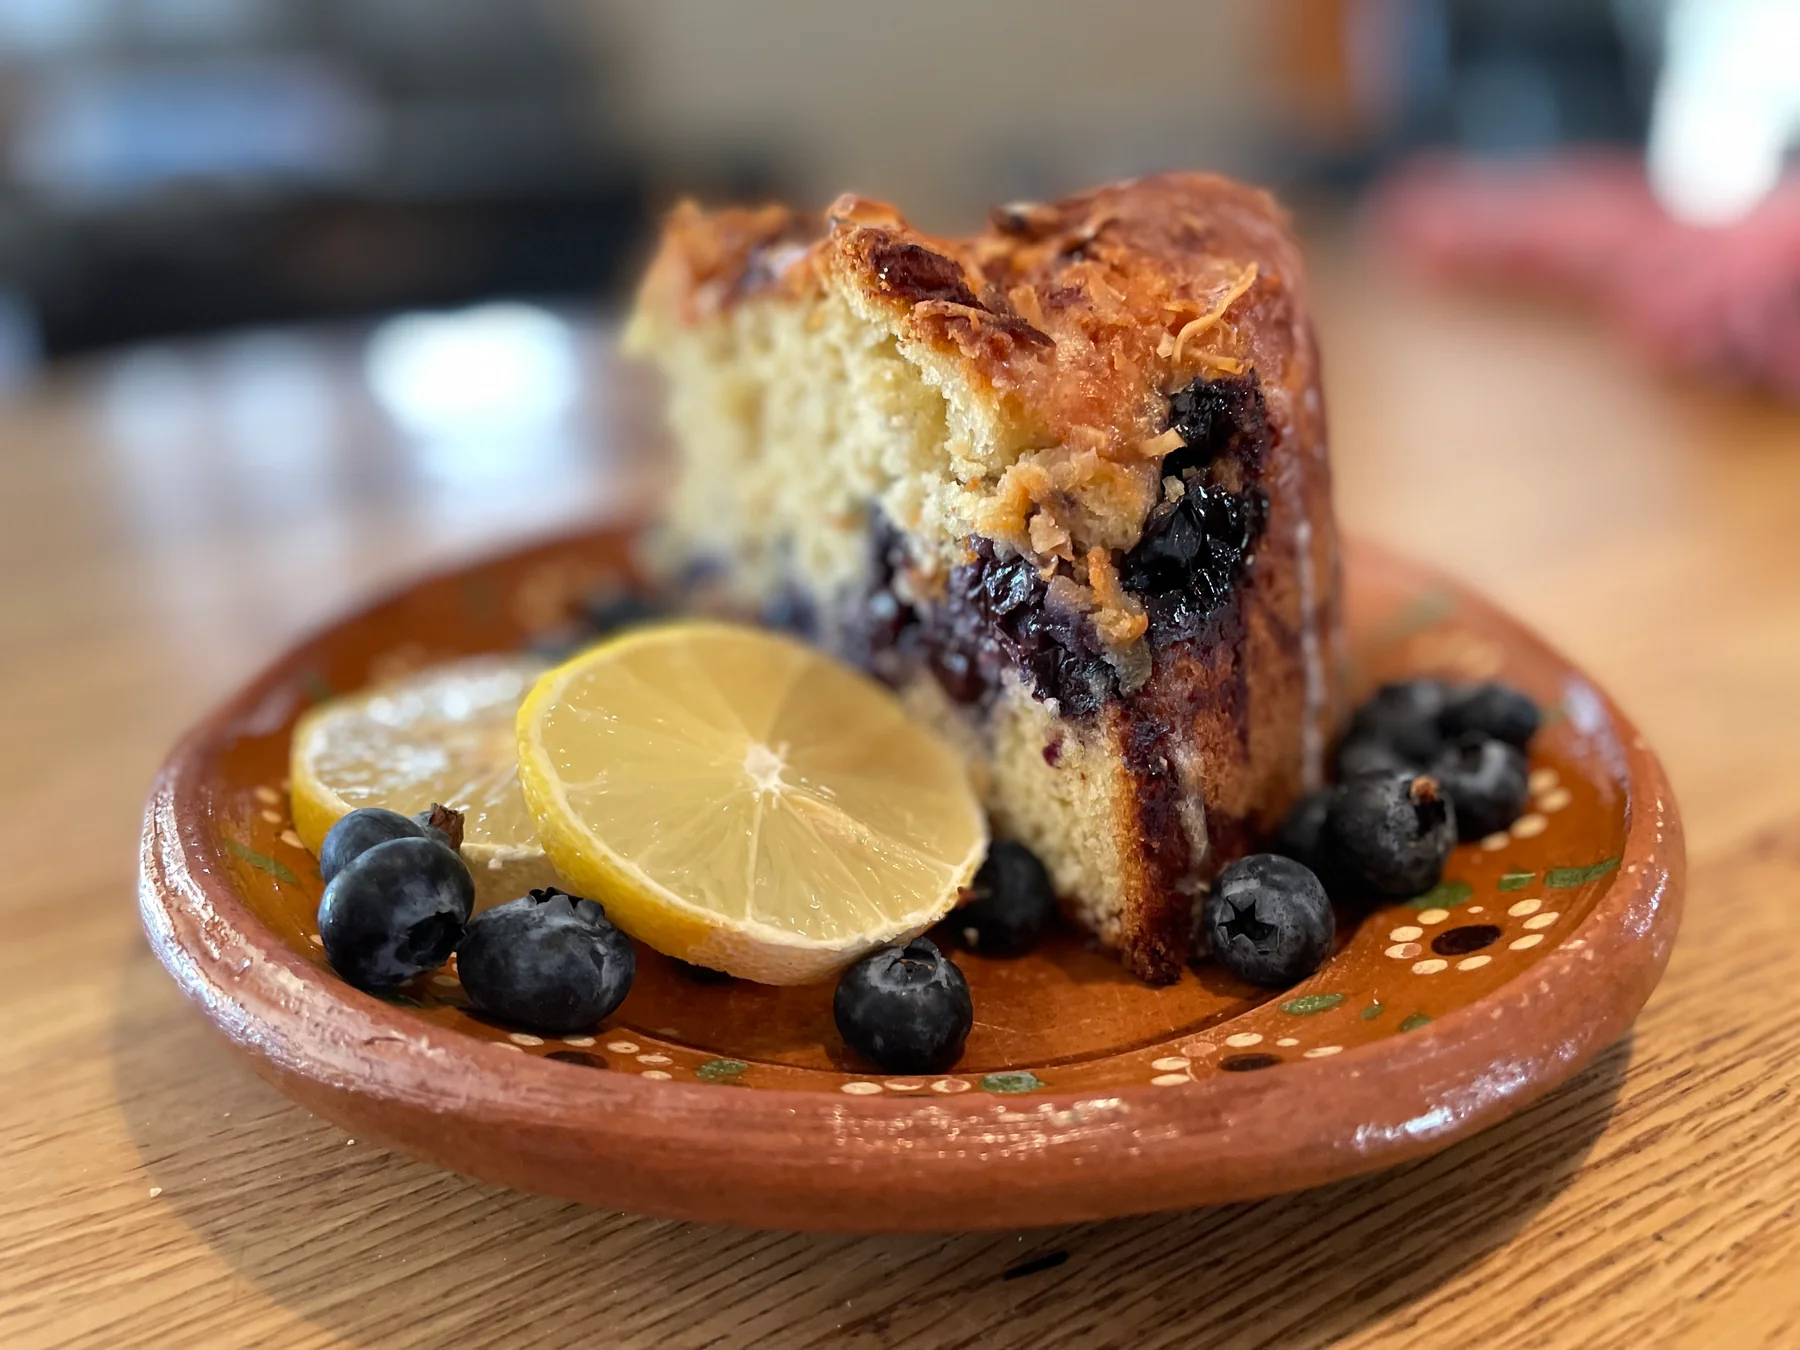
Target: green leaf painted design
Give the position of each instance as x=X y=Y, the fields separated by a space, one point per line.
x=1563 y=878
x=263 y=862
x=720 y=1070
x=1516 y=881
x=1308 y=1004
x=1370 y=1013
x=1012 y=1080
x=1414 y=1021
x=1444 y=895
x=316 y=687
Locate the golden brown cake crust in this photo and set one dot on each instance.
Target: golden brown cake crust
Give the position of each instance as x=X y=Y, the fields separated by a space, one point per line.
x=1076 y=304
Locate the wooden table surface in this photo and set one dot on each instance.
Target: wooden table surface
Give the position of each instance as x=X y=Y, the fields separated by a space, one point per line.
x=170 y=518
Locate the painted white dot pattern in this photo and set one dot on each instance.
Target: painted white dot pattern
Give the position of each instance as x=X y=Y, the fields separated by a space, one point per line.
x=1406 y=932
x=444 y=981
x=1170 y=1079
x=1474 y=962
x=1244 y=1039
x=1493 y=843
x=291 y=839
x=1169 y=1063
x=1526 y=943
x=1288 y=1042
x=950 y=1086
x=1322 y=1052
x=662 y=1076
x=622 y=1047
x=1542 y=780
x=1431 y=965
x=268 y=796
x=1542 y=920
x=1524 y=907
x=273 y=817
x=1529 y=825
x=900 y=1085
x=856 y=1088
x=581 y=1041
x=524 y=1038
x=654 y=1059
x=1428 y=917
x=1404 y=951
x=1554 y=800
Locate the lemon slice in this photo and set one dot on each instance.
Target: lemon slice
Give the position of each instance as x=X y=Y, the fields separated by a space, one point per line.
x=740 y=801
x=445 y=734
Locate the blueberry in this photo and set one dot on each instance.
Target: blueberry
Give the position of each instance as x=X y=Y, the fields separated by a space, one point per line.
x=1369 y=753
x=395 y=911
x=358 y=832
x=1485 y=780
x=1302 y=835
x=1403 y=716
x=608 y=611
x=1494 y=710
x=1014 y=903
x=904 y=1009
x=548 y=960
x=1268 y=920
x=1391 y=833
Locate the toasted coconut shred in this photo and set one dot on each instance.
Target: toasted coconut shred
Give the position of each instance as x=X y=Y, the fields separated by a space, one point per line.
x=1195 y=327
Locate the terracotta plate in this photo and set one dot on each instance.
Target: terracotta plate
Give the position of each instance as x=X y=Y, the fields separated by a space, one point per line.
x=1083 y=1094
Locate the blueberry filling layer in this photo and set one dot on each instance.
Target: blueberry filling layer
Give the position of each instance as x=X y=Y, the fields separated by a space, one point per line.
x=996 y=612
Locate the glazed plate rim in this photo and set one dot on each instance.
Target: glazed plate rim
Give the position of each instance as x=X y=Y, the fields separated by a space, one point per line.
x=778 y=1157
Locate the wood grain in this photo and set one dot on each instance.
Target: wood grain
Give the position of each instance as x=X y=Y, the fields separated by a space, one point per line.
x=151 y=564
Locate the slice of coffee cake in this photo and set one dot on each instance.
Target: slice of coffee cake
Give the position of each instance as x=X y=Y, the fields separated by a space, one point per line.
x=1064 y=484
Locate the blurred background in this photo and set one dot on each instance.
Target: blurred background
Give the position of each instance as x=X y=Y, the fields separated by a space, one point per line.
x=300 y=296
x=183 y=166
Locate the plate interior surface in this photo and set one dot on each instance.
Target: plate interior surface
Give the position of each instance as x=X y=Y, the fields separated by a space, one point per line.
x=1582 y=887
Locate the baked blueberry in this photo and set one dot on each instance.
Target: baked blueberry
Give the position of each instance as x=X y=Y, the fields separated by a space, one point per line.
x=904 y=1009
x=1403 y=715
x=1268 y=920
x=1493 y=710
x=1486 y=780
x=1302 y=835
x=395 y=911
x=1391 y=833
x=549 y=960
x=1013 y=903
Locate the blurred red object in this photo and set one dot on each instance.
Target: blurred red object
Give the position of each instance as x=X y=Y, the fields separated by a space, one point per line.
x=1720 y=300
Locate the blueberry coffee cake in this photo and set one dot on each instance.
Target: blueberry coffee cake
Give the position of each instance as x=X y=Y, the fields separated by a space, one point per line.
x=1063 y=484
